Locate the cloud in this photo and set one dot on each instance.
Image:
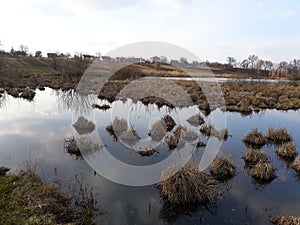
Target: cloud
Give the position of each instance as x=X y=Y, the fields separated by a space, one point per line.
x=289 y=14
x=173 y=3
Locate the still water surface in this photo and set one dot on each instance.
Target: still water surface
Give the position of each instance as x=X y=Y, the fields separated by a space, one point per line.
x=34 y=132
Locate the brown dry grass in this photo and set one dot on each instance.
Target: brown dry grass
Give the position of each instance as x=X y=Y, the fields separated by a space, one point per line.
x=287 y=151
x=264 y=171
x=278 y=136
x=222 y=167
x=296 y=165
x=174 y=139
x=188 y=185
x=195 y=120
x=158 y=130
x=286 y=220
x=254 y=156
x=169 y=121
x=255 y=138
x=210 y=130
x=71 y=146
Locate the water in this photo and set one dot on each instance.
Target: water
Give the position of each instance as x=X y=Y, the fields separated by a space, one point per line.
x=224 y=79
x=33 y=134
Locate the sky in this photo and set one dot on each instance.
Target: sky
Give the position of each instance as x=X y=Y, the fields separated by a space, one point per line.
x=211 y=29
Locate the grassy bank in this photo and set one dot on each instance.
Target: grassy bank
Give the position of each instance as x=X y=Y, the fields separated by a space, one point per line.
x=24 y=199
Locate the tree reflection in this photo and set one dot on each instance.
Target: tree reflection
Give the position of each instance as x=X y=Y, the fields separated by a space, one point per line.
x=75 y=101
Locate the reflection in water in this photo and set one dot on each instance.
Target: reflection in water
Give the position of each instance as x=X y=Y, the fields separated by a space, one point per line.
x=29 y=131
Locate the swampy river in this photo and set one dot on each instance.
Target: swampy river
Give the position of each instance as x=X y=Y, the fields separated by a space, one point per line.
x=33 y=134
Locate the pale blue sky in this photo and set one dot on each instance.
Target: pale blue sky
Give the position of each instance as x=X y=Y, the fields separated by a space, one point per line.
x=211 y=29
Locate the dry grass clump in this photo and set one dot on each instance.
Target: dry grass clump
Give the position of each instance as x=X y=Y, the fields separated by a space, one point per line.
x=264 y=171
x=28 y=94
x=278 y=136
x=173 y=140
x=83 y=126
x=200 y=144
x=13 y=92
x=195 y=120
x=288 y=151
x=210 y=130
x=188 y=185
x=71 y=146
x=158 y=130
x=130 y=137
x=222 y=167
x=87 y=146
x=296 y=165
x=255 y=138
x=146 y=152
x=286 y=220
x=119 y=126
x=3 y=171
x=254 y=156
x=102 y=107
x=170 y=123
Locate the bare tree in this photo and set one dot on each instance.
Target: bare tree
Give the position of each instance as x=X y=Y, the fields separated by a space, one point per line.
x=283 y=68
x=163 y=59
x=252 y=59
x=231 y=60
x=245 y=64
x=267 y=65
x=23 y=48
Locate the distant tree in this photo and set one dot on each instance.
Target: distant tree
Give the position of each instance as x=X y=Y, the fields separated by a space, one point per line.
x=245 y=64
x=283 y=68
x=98 y=54
x=231 y=60
x=23 y=48
x=38 y=54
x=183 y=61
x=12 y=51
x=252 y=59
x=163 y=59
x=68 y=54
x=259 y=65
x=267 y=65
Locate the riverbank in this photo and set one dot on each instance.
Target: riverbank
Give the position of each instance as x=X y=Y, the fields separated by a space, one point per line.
x=24 y=199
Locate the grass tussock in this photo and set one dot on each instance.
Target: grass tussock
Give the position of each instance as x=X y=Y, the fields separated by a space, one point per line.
x=28 y=94
x=278 y=136
x=83 y=126
x=264 y=171
x=169 y=121
x=24 y=199
x=71 y=146
x=130 y=137
x=174 y=139
x=286 y=220
x=158 y=130
x=255 y=138
x=188 y=185
x=287 y=151
x=222 y=168
x=195 y=120
x=296 y=165
x=210 y=130
x=101 y=107
x=146 y=152
x=254 y=156
x=3 y=171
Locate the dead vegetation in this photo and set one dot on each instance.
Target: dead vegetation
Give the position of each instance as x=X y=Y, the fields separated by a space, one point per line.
x=222 y=168
x=146 y=152
x=210 y=130
x=287 y=151
x=24 y=199
x=188 y=185
x=158 y=130
x=130 y=137
x=175 y=138
x=28 y=94
x=101 y=107
x=278 y=136
x=71 y=146
x=84 y=126
x=195 y=120
x=254 y=156
x=264 y=171
x=296 y=165
x=170 y=123
x=286 y=220
x=255 y=139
